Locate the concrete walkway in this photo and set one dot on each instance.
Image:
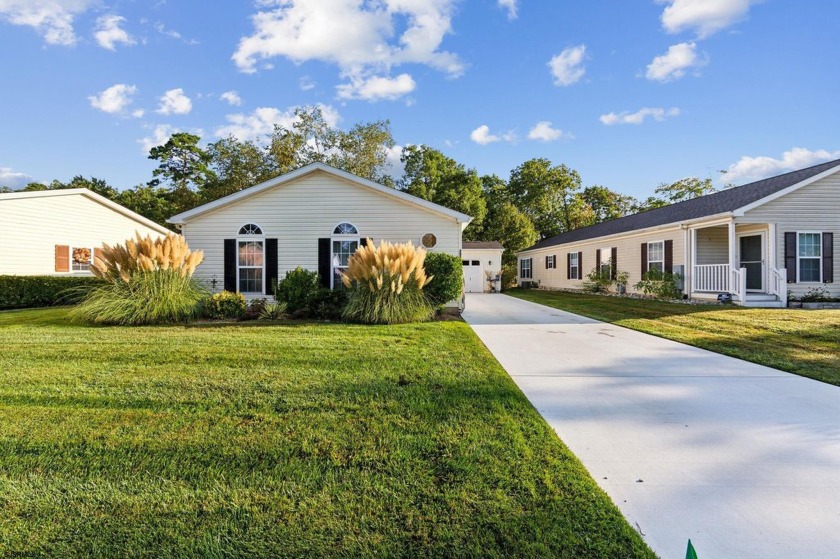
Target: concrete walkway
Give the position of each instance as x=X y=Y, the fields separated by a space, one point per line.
x=742 y=459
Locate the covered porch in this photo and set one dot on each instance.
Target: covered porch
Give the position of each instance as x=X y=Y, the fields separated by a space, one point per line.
x=738 y=259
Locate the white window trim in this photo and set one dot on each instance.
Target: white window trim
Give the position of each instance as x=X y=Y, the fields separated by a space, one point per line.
x=574 y=256
x=335 y=237
x=245 y=239
x=662 y=242
x=530 y=262
x=819 y=258
x=249 y=236
x=70 y=258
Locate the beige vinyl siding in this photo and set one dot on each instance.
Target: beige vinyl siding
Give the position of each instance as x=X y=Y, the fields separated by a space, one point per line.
x=713 y=245
x=31 y=227
x=300 y=212
x=815 y=207
x=629 y=255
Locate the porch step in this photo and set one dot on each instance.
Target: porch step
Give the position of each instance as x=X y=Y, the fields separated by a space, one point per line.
x=760 y=297
x=762 y=300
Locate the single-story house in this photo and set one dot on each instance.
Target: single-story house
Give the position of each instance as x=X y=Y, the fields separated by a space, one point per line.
x=755 y=242
x=482 y=261
x=57 y=232
x=313 y=217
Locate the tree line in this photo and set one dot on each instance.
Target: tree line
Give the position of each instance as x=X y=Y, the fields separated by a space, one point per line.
x=538 y=200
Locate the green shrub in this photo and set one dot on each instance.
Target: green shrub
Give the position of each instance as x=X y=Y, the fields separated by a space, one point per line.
x=816 y=295
x=254 y=309
x=155 y=297
x=329 y=303
x=273 y=311
x=298 y=289
x=662 y=285
x=226 y=306
x=599 y=280
x=448 y=278
x=508 y=276
x=21 y=292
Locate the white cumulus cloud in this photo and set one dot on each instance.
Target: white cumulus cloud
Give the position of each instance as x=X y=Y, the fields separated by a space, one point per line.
x=258 y=124
x=174 y=102
x=51 y=18
x=640 y=116
x=232 y=97
x=159 y=136
x=705 y=17
x=544 y=132
x=673 y=64
x=377 y=87
x=567 y=67
x=115 y=99
x=510 y=6
x=482 y=136
x=756 y=168
x=13 y=179
x=360 y=38
x=109 y=33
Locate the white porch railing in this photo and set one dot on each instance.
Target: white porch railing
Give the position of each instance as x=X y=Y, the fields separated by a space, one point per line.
x=712 y=278
x=739 y=285
x=778 y=284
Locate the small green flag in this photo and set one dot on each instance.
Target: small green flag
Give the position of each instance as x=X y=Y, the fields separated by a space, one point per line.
x=690 y=553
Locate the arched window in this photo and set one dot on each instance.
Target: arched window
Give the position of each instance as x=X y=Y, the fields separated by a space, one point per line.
x=249 y=266
x=345 y=229
x=345 y=242
x=250 y=229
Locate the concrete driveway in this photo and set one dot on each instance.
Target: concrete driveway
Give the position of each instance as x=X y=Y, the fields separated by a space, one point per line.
x=742 y=459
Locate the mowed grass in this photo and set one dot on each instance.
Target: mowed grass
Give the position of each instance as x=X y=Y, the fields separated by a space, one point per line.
x=293 y=440
x=805 y=342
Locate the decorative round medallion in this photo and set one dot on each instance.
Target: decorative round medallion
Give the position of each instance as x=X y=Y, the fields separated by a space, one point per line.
x=81 y=255
x=429 y=240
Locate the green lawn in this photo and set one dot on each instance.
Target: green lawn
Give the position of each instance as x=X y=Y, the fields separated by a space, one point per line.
x=281 y=440
x=805 y=342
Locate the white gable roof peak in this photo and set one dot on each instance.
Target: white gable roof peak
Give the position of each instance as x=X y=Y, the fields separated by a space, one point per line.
x=183 y=217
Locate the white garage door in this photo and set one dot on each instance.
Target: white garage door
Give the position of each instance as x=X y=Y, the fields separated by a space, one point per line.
x=473 y=276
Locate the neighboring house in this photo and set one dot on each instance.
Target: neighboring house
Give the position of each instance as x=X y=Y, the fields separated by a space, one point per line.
x=482 y=261
x=313 y=217
x=755 y=242
x=52 y=232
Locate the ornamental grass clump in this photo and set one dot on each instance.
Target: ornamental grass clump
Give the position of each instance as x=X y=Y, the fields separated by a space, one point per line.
x=386 y=284
x=147 y=282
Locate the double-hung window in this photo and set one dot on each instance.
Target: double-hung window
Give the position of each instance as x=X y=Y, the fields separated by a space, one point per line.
x=574 y=266
x=250 y=259
x=345 y=242
x=550 y=262
x=809 y=255
x=656 y=256
x=525 y=269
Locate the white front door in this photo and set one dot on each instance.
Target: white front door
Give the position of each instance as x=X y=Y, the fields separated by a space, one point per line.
x=473 y=276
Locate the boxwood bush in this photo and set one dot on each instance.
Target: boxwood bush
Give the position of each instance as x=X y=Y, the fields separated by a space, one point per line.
x=448 y=281
x=298 y=289
x=20 y=292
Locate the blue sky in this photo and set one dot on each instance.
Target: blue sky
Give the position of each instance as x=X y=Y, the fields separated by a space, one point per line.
x=631 y=93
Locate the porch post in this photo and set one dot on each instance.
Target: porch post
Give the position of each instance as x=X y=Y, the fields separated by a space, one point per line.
x=771 y=247
x=691 y=258
x=733 y=265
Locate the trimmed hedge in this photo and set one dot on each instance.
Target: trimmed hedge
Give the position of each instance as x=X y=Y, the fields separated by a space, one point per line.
x=21 y=292
x=448 y=282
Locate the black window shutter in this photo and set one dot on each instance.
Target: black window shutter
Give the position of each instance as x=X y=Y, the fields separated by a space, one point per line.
x=546 y=262
x=580 y=266
x=828 y=257
x=230 y=265
x=270 y=265
x=569 y=266
x=644 y=259
x=598 y=261
x=669 y=256
x=364 y=241
x=790 y=256
x=324 y=268
x=613 y=262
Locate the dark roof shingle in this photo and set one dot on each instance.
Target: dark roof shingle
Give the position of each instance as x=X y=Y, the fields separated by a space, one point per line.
x=702 y=206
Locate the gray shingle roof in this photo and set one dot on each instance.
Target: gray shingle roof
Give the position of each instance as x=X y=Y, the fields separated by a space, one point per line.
x=710 y=204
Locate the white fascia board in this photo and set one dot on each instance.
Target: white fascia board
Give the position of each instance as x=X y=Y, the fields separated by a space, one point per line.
x=183 y=217
x=742 y=210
